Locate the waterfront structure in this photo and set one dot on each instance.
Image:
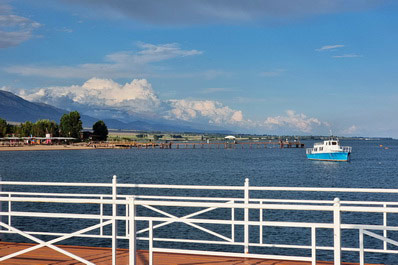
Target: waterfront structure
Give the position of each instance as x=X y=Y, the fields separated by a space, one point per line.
x=144 y=216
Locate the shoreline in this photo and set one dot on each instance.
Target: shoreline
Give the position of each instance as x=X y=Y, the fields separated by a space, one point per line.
x=49 y=148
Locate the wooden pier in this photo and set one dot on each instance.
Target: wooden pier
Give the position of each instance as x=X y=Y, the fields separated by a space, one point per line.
x=102 y=256
x=210 y=145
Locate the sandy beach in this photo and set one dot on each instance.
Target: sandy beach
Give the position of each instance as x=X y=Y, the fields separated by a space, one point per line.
x=50 y=147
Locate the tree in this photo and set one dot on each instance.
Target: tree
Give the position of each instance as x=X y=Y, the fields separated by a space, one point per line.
x=100 y=131
x=3 y=127
x=25 y=129
x=71 y=125
x=43 y=127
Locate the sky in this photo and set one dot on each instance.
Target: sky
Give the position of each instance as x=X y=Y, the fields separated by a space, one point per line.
x=296 y=67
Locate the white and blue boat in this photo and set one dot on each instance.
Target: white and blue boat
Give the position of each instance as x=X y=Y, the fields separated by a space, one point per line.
x=329 y=150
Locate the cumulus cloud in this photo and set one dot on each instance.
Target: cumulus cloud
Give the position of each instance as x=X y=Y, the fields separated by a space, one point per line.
x=14 y=29
x=295 y=121
x=116 y=65
x=99 y=94
x=351 y=130
x=330 y=47
x=210 y=11
x=213 y=111
x=105 y=98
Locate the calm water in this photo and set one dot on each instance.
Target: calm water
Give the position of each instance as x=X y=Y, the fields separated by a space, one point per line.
x=371 y=166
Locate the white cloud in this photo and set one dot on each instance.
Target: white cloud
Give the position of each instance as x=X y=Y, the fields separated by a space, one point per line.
x=116 y=65
x=352 y=55
x=329 y=47
x=335 y=47
x=296 y=122
x=105 y=98
x=351 y=130
x=213 y=111
x=134 y=97
x=14 y=29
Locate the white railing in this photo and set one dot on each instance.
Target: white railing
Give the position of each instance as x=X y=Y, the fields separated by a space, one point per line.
x=346 y=149
x=241 y=231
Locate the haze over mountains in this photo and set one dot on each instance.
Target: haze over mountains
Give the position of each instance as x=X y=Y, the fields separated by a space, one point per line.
x=16 y=109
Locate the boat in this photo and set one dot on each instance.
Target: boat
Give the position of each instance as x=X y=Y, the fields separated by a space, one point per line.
x=329 y=150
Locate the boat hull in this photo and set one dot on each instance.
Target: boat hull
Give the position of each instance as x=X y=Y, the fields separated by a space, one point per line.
x=337 y=156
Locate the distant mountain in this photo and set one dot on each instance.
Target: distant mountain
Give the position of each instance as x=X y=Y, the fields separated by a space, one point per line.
x=14 y=108
x=17 y=109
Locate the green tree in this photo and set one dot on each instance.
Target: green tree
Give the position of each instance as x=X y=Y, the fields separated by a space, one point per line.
x=71 y=125
x=100 y=131
x=24 y=129
x=11 y=129
x=3 y=127
x=43 y=127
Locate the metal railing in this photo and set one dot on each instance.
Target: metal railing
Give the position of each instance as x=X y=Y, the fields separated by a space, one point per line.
x=136 y=217
x=345 y=149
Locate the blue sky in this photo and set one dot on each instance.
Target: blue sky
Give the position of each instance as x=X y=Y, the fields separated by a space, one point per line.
x=267 y=67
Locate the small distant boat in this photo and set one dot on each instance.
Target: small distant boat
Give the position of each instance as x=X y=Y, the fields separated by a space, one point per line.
x=329 y=150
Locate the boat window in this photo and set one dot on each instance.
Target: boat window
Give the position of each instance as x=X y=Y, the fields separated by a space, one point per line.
x=320 y=148
x=315 y=149
x=334 y=143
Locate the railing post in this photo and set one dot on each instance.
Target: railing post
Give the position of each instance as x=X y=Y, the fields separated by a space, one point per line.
x=102 y=216
x=233 y=219
x=361 y=248
x=114 y=223
x=313 y=245
x=261 y=224
x=337 y=231
x=385 y=224
x=150 y=242
x=132 y=231
x=246 y=216
x=9 y=211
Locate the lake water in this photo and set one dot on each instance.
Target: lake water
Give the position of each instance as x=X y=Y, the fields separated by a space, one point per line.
x=374 y=164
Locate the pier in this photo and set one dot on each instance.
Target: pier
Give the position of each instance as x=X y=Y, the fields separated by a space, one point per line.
x=229 y=229
x=210 y=145
x=102 y=256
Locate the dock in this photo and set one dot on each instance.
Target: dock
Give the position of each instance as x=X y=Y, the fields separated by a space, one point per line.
x=194 y=227
x=102 y=256
x=210 y=145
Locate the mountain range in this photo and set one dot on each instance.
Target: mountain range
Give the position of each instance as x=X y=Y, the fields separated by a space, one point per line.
x=16 y=109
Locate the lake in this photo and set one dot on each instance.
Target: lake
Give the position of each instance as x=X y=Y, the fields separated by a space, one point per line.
x=374 y=164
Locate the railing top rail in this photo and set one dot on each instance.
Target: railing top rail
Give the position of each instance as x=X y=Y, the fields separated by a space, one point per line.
x=119 y=185
x=320 y=189
x=203 y=187
x=186 y=198
x=104 y=197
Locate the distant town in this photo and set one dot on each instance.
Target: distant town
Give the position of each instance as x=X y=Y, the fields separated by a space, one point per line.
x=70 y=130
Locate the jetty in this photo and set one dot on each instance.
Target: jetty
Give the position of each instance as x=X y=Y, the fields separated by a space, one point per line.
x=210 y=145
x=174 y=227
